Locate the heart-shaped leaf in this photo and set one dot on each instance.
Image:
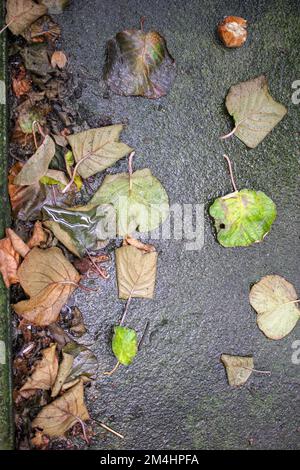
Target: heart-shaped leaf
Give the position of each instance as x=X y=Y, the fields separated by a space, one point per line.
x=21 y=13
x=254 y=110
x=60 y=415
x=136 y=272
x=139 y=64
x=37 y=165
x=49 y=279
x=140 y=201
x=124 y=344
x=275 y=301
x=44 y=374
x=242 y=217
x=238 y=368
x=98 y=149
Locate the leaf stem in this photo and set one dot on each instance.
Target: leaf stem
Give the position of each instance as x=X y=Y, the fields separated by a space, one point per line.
x=142 y=21
x=126 y=309
x=226 y=136
x=98 y=269
x=74 y=173
x=266 y=372
x=231 y=173
x=130 y=170
x=113 y=370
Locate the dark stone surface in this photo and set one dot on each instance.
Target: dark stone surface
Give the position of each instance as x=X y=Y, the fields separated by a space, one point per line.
x=175 y=395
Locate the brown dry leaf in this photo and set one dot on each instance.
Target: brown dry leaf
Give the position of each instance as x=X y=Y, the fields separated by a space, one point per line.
x=40 y=441
x=22 y=13
x=78 y=327
x=44 y=374
x=59 y=59
x=49 y=279
x=60 y=415
x=17 y=243
x=238 y=368
x=42 y=29
x=39 y=236
x=9 y=262
x=21 y=84
x=136 y=272
x=37 y=165
x=63 y=372
x=138 y=244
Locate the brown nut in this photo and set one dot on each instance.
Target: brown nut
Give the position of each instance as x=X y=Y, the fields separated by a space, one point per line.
x=233 y=31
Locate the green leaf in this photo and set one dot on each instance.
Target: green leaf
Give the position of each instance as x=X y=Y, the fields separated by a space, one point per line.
x=124 y=344
x=143 y=207
x=55 y=177
x=100 y=148
x=139 y=64
x=136 y=272
x=243 y=217
x=78 y=228
x=275 y=301
x=37 y=165
x=254 y=110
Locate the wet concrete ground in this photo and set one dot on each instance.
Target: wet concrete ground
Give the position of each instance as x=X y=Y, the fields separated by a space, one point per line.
x=175 y=395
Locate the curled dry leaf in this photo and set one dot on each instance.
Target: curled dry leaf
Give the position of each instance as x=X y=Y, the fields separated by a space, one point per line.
x=44 y=374
x=128 y=240
x=37 y=165
x=49 y=279
x=60 y=415
x=17 y=243
x=275 y=301
x=238 y=368
x=78 y=327
x=42 y=29
x=9 y=262
x=63 y=372
x=139 y=64
x=22 y=13
x=21 y=84
x=124 y=344
x=59 y=59
x=243 y=217
x=136 y=272
x=233 y=31
x=254 y=110
x=97 y=149
x=140 y=201
x=39 y=236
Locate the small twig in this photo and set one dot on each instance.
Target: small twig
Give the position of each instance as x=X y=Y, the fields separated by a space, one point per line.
x=74 y=172
x=130 y=170
x=143 y=335
x=107 y=428
x=231 y=172
x=113 y=370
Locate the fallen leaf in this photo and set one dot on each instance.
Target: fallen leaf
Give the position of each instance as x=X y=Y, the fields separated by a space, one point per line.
x=142 y=207
x=243 y=217
x=39 y=236
x=63 y=372
x=37 y=165
x=40 y=441
x=254 y=110
x=59 y=335
x=37 y=63
x=44 y=374
x=18 y=244
x=21 y=84
x=42 y=29
x=275 y=301
x=78 y=228
x=78 y=327
x=60 y=415
x=9 y=262
x=59 y=59
x=139 y=64
x=21 y=13
x=85 y=363
x=238 y=368
x=100 y=148
x=49 y=279
x=55 y=177
x=136 y=272
x=128 y=240
x=124 y=344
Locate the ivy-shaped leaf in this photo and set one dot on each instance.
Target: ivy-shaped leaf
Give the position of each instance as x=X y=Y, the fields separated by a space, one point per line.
x=139 y=64
x=243 y=217
x=276 y=303
x=254 y=110
x=98 y=149
x=140 y=201
x=124 y=344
